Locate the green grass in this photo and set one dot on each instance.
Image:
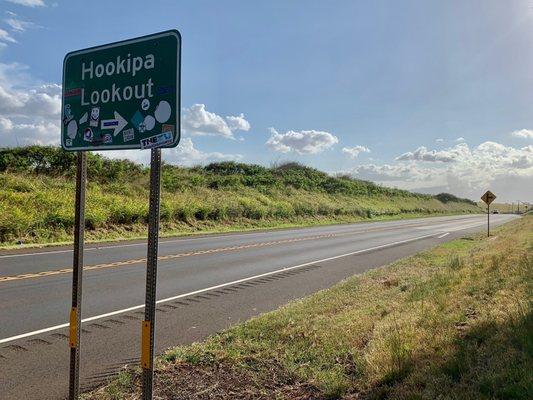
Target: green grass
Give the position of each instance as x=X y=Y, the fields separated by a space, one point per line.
x=37 y=198
x=454 y=322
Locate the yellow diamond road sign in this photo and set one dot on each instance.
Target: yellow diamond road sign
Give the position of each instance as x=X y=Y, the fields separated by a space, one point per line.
x=488 y=197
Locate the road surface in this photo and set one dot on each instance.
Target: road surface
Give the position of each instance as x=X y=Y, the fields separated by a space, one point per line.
x=205 y=284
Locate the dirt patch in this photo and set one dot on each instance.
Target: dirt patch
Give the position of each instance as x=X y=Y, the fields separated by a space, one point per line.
x=224 y=381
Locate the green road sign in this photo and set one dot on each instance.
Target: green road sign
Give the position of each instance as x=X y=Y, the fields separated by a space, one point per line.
x=123 y=95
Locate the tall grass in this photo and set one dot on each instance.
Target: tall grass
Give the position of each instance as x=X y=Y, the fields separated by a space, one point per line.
x=37 y=194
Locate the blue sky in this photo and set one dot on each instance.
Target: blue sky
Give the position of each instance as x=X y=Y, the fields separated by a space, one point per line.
x=423 y=95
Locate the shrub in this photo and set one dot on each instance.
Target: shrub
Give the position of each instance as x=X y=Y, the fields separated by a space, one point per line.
x=447 y=197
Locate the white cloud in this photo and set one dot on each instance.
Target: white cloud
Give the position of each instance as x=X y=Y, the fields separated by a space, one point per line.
x=29 y=111
x=6 y=37
x=42 y=100
x=460 y=139
x=461 y=170
x=5 y=124
x=28 y=3
x=523 y=134
x=198 y=121
x=185 y=154
x=238 y=123
x=353 y=152
x=301 y=142
x=423 y=154
x=21 y=134
x=439 y=140
x=394 y=173
x=17 y=24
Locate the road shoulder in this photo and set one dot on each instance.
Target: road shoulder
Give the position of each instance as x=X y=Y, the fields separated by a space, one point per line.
x=456 y=316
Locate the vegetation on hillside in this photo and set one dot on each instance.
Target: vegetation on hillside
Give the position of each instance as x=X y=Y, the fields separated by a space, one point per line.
x=37 y=194
x=447 y=198
x=454 y=322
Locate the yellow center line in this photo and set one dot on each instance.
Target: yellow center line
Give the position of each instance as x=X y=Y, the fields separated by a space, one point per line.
x=161 y=258
x=195 y=253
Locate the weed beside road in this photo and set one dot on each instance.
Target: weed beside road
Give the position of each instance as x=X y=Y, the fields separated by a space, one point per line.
x=454 y=322
x=37 y=198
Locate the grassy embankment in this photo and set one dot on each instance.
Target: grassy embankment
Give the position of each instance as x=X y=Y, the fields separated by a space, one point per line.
x=37 y=195
x=454 y=322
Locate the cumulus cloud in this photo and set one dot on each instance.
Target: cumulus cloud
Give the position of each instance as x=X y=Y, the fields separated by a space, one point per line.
x=29 y=3
x=187 y=154
x=301 y=142
x=21 y=134
x=439 y=140
x=394 y=173
x=29 y=111
x=238 y=123
x=198 y=121
x=6 y=37
x=523 y=134
x=423 y=154
x=463 y=170
x=460 y=139
x=353 y=152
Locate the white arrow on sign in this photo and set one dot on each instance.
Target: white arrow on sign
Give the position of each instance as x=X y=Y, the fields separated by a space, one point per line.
x=118 y=123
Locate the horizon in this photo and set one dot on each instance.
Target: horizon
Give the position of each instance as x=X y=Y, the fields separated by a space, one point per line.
x=424 y=97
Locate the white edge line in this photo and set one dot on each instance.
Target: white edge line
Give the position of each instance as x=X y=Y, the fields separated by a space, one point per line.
x=53 y=328
x=443 y=235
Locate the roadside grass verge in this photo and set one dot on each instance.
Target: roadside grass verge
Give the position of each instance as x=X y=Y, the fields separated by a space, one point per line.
x=454 y=322
x=40 y=209
x=37 y=198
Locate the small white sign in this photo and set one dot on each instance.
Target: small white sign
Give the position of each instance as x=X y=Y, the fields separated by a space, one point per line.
x=128 y=134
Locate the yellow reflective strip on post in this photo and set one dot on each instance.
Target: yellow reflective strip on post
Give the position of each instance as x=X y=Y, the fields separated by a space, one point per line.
x=145 y=345
x=73 y=342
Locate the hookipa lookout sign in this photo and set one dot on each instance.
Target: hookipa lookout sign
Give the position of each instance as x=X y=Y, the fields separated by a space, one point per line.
x=123 y=95
x=118 y=96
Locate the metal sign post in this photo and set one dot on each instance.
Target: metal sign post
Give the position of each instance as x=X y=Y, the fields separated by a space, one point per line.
x=488 y=197
x=488 y=220
x=148 y=325
x=77 y=274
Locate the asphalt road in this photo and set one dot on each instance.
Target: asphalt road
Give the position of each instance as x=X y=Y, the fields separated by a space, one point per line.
x=205 y=284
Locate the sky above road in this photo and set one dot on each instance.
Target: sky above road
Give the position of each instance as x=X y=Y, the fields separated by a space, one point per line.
x=429 y=96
